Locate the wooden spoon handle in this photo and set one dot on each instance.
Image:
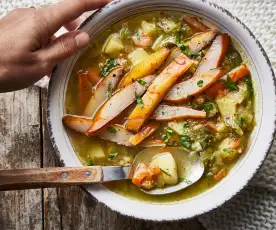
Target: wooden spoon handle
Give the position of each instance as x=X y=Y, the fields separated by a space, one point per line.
x=49 y=177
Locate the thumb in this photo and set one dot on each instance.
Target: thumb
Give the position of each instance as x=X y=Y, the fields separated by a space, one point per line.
x=64 y=46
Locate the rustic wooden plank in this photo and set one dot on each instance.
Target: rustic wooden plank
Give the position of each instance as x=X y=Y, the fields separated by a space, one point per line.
x=20 y=148
x=72 y=208
x=51 y=210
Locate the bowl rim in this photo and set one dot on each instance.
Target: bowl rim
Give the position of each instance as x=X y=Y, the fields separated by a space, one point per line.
x=270 y=142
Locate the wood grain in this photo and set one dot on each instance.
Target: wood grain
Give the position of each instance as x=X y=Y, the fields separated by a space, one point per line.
x=20 y=148
x=72 y=208
x=49 y=177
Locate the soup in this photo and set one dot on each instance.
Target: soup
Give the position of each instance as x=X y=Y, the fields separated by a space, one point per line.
x=156 y=82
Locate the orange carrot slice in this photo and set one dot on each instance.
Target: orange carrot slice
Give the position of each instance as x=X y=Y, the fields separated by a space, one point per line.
x=94 y=75
x=118 y=103
x=195 y=23
x=222 y=173
x=170 y=113
x=156 y=92
x=235 y=75
x=152 y=143
x=146 y=67
x=145 y=132
x=195 y=85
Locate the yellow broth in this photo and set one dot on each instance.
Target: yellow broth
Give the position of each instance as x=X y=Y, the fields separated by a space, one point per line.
x=94 y=150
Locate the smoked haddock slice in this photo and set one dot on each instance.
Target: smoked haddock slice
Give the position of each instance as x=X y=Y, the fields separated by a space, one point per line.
x=195 y=23
x=214 y=55
x=195 y=85
x=146 y=67
x=100 y=94
x=77 y=123
x=169 y=113
x=156 y=92
x=200 y=40
x=118 y=103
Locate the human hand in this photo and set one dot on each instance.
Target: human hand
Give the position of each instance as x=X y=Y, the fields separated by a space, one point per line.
x=28 y=47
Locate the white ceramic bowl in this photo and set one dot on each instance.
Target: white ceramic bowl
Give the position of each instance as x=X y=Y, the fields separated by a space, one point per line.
x=260 y=140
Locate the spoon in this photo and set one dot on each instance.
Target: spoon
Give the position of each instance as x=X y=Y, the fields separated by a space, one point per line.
x=15 y=179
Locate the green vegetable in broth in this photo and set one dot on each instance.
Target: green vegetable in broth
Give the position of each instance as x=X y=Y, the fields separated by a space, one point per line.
x=218 y=138
x=108 y=67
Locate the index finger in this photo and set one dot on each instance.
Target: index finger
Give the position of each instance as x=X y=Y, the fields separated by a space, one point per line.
x=67 y=10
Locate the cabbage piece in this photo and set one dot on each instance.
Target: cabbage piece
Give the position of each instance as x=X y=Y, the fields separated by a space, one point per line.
x=149 y=28
x=137 y=56
x=113 y=44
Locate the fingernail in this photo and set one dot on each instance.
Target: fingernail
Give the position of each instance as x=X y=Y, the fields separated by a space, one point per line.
x=82 y=39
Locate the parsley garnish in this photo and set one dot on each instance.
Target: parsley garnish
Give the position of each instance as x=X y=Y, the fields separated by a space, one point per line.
x=249 y=86
x=90 y=163
x=240 y=121
x=185 y=140
x=178 y=36
x=142 y=82
x=207 y=107
x=165 y=138
x=109 y=90
x=229 y=151
x=139 y=100
x=229 y=84
x=111 y=156
x=111 y=129
x=186 y=50
x=137 y=35
x=185 y=95
x=108 y=67
x=185 y=125
x=200 y=83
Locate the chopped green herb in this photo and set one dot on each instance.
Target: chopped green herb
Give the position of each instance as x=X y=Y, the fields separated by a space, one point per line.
x=200 y=83
x=249 y=86
x=90 y=163
x=185 y=140
x=196 y=55
x=185 y=95
x=165 y=172
x=207 y=107
x=179 y=35
x=240 y=121
x=186 y=50
x=124 y=32
x=111 y=129
x=229 y=84
x=229 y=151
x=111 y=156
x=142 y=82
x=185 y=125
x=109 y=90
x=139 y=100
x=165 y=138
x=108 y=67
x=137 y=36
x=169 y=130
x=183 y=179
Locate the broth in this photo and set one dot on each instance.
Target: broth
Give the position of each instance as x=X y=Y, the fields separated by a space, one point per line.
x=218 y=140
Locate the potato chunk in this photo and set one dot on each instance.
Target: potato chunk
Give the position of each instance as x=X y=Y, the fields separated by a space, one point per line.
x=167 y=164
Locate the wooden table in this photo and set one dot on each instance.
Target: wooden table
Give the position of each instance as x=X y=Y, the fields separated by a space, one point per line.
x=24 y=143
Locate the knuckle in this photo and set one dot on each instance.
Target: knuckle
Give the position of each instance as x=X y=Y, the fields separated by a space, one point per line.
x=67 y=46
